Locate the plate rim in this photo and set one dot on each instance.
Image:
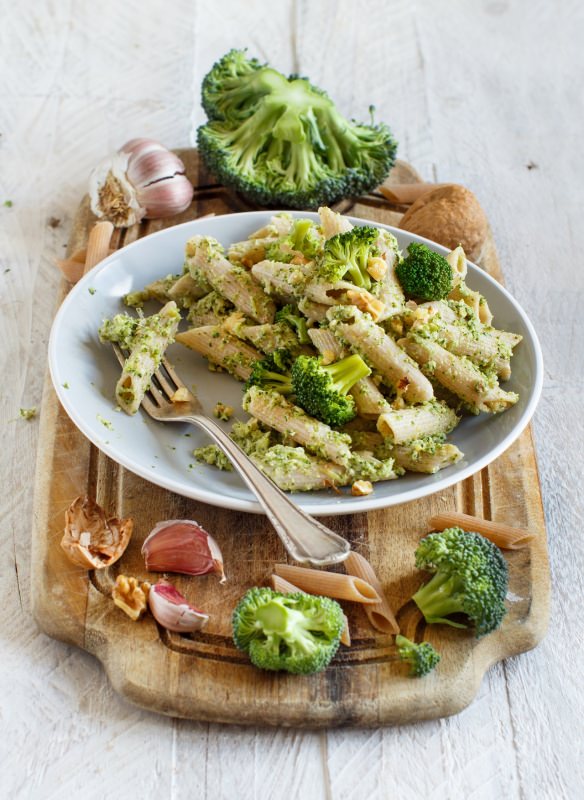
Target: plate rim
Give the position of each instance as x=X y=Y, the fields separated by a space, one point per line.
x=334 y=507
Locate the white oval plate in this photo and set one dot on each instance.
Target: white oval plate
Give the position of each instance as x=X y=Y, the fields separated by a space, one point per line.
x=84 y=374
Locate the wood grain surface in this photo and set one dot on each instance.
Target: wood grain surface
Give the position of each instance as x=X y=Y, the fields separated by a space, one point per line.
x=203 y=676
x=481 y=92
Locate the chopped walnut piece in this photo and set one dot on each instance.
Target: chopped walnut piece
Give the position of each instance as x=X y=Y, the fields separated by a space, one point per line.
x=181 y=395
x=361 y=488
x=131 y=596
x=377 y=267
x=90 y=539
x=366 y=302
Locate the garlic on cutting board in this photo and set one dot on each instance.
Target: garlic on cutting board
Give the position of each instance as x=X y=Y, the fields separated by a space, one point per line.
x=171 y=610
x=143 y=179
x=182 y=545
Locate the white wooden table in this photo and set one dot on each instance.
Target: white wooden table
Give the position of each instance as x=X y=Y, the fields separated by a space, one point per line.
x=483 y=92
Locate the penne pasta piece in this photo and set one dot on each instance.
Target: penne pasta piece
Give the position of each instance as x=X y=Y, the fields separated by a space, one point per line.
x=279 y=225
x=231 y=281
x=314 y=312
x=280 y=584
x=497 y=532
x=388 y=289
x=423 y=456
x=344 y=293
x=459 y=375
x=276 y=412
x=266 y=338
x=250 y=251
x=413 y=422
x=457 y=260
x=220 y=348
x=327 y=345
x=285 y=282
x=212 y=309
x=329 y=584
x=188 y=290
x=380 y=351
x=379 y=614
x=473 y=300
x=149 y=342
x=294 y=470
x=332 y=223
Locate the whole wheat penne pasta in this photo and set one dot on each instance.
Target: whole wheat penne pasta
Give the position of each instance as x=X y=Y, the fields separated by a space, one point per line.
x=474 y=300
x=327 y=344
x=212 y=309
x=98 y=244
x=280 y=584
x=276 y=412
x=294 y=470
x=329 y=584
x=250 y=251
x=459 y=375
x=333 y=223
x=314 y=312
x=457 y=260
x=222 y=349
x=285 y=282
x=151 y=338
x=233 y=282
x=500 y=534
x=279 y=225
x=363 y=336
x=344 y=293
x=187 y=289
x=428 y=461
x=379 y=614
x=428 y=419
x=267 y=337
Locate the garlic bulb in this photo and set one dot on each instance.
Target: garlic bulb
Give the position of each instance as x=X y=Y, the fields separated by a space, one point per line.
x=181 y=545
x=172 y=611
x=143 y=179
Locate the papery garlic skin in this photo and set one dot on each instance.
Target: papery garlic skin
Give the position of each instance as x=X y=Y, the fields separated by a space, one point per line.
x=182 y=545
x=171 y=610
x=142 y=180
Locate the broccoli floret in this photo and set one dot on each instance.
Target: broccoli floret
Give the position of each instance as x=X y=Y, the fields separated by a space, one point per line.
x=292 y=317
x=281 y=141
x=424 y=274
x=470 y=578
x=421 y=657
x=347 y=255
x=272 y=372
x=304 y=238
x=322 y=391
x=297 y=633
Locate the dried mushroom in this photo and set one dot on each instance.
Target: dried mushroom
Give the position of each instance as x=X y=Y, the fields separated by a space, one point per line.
x=90 y=539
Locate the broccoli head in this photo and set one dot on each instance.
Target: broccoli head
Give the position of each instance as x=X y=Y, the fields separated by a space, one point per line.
x=282 y=141
x=470 y=577
x=272 y=372
x=292 y=317
x=422 y=658
x=424 y=274
x=297 y=633
x=347 y=255
x=322 y=391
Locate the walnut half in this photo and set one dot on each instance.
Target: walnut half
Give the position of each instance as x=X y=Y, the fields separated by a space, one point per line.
x=131 y=596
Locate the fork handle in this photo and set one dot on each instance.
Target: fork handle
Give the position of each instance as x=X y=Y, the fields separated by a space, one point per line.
x=305 y=539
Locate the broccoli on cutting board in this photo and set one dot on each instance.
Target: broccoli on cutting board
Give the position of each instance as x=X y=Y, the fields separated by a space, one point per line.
x=298 y=633
x=422 y=657
x=470 y=577
x=281 y=141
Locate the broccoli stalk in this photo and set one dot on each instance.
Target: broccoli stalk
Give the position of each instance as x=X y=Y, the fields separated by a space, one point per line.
x=296 y=321
x=322 y=391
x=347 y=255
x=422 y=658
x=297 y=633
x=281 y=141
x=424 y=274
x=470 y=577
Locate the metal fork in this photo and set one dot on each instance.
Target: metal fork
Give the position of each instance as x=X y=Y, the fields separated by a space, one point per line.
x=305 y=539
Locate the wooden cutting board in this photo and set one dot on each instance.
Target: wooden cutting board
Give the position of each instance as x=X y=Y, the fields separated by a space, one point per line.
x=203 y=676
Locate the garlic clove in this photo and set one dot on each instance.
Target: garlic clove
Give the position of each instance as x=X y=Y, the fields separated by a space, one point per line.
x=166 y=198
x=152 y=167
x=172 y=611
x=182 y=545
x=112 y=195
x=90 y=539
